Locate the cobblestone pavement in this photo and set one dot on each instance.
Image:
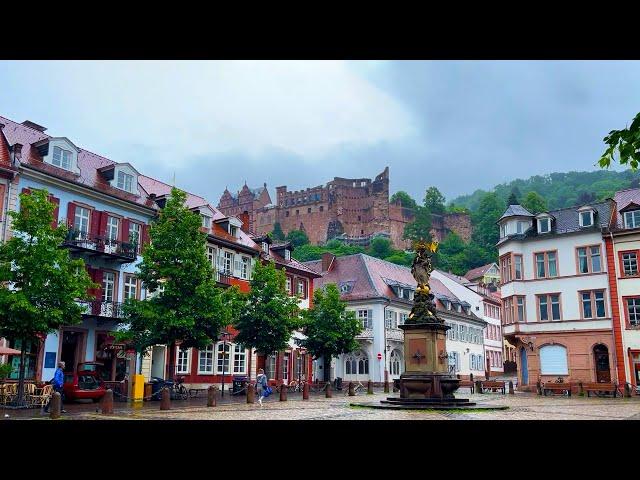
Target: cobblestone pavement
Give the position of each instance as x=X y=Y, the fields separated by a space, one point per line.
x=522 y=406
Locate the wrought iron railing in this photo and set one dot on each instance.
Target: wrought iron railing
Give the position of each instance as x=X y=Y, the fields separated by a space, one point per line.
x=224 y=278
x=365 y=334
x=102 y=309
x=99 y=243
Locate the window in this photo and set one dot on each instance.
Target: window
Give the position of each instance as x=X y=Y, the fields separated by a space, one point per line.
x=206 y=221
x=125 y=181
x=182 y=360
x=31 y=359
x=244 y=268
x=211 y=256
x=108 y=284
x=629 y=263
x=403 y=318
x=265 y=247
x=302 y=287
x=81 y=221
x=356 y=364
x=112 y=228
x=544 y=225
x=632 y=219
x=521 y=227
x=308 y=210
x=395 y=363
x=233 y=230
x=61 y=158
x=517 y=267
x=297 y=212
x=239 y=359
x=289 y=285
x=633 y=309
x=365 y=318
x=586 y=218
x=227 y=263
x=205 y=360
x=270 y=367
x=549 y=306
x=589 y=259
x=505 y=268
x=321 y=209
x=592 y=304
x=287 y=254
x=392 y=319
x=285 y=366
x=553 y=360
x=546 y=264
x=134 y=234
x=286 y=214
x=222 y=358
x=130 y=287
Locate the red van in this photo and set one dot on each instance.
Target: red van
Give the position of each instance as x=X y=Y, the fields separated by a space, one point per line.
x=84 y=383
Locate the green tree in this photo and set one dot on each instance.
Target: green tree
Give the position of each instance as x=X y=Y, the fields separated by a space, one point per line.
x=434 y=201
x=405 y=199
x=39 y=282
x=626 y=143
x=185 y=305
x=380 y=248
x=485 y=231
x=297 y=238
x=277 y=233
x=269 y=315
x=450 y=255
x=400 y=258
x=330 y=328
x=514 y=197
x=534 y=203
x=420 y=227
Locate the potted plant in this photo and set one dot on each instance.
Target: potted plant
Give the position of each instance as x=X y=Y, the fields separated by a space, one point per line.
x=5 y=371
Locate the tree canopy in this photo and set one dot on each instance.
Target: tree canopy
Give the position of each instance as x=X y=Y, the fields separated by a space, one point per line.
x=534 y=203
x=277 y=233
x=297 y=238
x=405 y=199
x=626 y=143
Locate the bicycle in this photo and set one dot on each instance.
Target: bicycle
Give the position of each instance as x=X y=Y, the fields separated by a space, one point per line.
x=176 y=388
x=356 y=388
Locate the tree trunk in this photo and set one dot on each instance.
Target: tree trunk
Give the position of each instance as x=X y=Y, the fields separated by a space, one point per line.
x=171 y=367
x=23 y=350
x=327 y=367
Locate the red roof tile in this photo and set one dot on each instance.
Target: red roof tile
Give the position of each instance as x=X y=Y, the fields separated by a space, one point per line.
x=624 y=198
x=5 y=157
x=88 y=163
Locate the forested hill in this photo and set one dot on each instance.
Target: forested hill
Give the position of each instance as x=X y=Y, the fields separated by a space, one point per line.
x=560 y=190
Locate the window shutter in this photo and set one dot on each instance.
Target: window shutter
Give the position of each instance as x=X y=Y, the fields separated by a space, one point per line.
x=553 y=360
x=94 y=228
x=236 y=265
x=71 y=214
x=124 y=230
x=104 y=216
x=56 y=210
x=145 y=235
x=370 y=318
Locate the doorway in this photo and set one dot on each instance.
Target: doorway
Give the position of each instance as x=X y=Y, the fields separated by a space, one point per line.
x=601 y=359
x=72 y=349
x=158 y=361
x=524 y=368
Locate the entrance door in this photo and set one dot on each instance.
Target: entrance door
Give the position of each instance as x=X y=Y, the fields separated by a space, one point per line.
x=601 y=357
x=157 y=361
x=72 y=349
x=523 y=366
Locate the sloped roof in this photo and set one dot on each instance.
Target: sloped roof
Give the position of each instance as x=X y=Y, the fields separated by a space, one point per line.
x=567 y=219
x=479 y=271
x=624 y=198
x=88 y=163
x=516 y=211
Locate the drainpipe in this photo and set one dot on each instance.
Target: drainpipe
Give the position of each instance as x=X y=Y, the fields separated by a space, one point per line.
x=384 y=325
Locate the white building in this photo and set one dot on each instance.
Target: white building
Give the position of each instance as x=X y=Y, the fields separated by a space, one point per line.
x=376 y=289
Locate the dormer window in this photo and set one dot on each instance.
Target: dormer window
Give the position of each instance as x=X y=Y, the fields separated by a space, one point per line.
x=632 y=219
x=233 y=230
x=61 y=158
x=265 y=248
x=206 y=221
x=125 y=181
x=544 y=225
x=586 y=218
x=447 y=304
x=287 y=254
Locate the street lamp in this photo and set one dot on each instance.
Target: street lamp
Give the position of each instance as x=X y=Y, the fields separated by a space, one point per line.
x=224 y=335
x=301 y=354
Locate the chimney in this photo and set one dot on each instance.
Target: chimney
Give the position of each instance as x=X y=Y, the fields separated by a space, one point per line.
x=35 y=126
x=327 y=261
x=244 y=217
x=17 y=151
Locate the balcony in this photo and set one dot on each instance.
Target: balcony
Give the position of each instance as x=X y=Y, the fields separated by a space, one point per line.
x=366 y=334
x=97 y=308
x=223 y=278
x=97 y=245
x=395 y=334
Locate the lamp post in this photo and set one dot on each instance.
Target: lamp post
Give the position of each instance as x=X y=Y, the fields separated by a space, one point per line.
x=224 y=335
x=301 y=354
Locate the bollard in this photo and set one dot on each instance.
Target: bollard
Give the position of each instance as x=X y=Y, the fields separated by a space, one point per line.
x=107 y=403
x=539 y=387
x=55 y=406
x=511 y=388
x=211 y=396
x=386 y=387
x=283 y=392
x=470 y=377
x=328 y=391
x=305 y=391
x=369 y=387
x=581 y=387
x=165 y=402
x=352 y=391
x=478 y=386
x=251 y=393
x=627 y=390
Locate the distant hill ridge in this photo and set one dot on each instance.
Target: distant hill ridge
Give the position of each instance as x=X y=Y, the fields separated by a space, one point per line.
x=560 y=190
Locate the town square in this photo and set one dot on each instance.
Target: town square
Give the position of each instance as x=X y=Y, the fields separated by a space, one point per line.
x=306 y=248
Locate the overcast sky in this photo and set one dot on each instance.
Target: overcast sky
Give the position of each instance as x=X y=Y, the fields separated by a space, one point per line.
x=458 y=125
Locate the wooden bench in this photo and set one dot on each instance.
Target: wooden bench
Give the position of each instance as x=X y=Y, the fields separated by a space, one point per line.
x=600 y=387
x=467 y=384
x=493 y=385
x=554 y=387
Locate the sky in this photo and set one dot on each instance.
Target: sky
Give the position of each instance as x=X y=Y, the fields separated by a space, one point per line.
x=458 y=125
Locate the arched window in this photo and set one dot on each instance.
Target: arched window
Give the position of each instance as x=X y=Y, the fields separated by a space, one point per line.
x=553 y=360
x=395 y=363
x=356 y=364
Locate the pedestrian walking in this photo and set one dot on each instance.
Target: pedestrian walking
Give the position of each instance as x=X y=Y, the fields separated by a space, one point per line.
x=57 y=382
x=262 y=386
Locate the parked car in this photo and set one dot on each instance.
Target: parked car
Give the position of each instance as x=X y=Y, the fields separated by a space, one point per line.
x=84 y=382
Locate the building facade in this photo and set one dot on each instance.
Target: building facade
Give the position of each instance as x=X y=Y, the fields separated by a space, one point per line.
x=622 y=241
x=381 y=295
x=247 y=200
x=555 y=293
x=487 y=274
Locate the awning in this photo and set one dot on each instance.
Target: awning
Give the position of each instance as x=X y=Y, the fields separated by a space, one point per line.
x=9 y=351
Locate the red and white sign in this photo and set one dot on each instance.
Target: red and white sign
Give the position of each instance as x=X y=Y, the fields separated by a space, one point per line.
x=379 y=356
